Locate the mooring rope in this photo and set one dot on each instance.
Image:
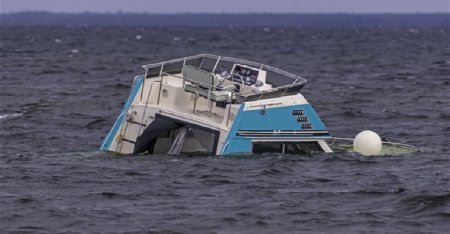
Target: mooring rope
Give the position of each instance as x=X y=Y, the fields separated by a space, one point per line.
x=384 y=142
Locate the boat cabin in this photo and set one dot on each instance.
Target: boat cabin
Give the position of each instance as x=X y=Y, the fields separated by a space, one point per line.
x=216 y=105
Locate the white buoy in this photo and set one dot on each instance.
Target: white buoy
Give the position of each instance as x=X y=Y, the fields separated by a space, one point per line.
x=367 y=143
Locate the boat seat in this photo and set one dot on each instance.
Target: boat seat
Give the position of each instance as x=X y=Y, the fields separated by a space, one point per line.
x=204 y=84
x=215 y=96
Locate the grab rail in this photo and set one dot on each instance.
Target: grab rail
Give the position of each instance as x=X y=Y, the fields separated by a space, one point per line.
x=223 y=58
x=297 y=83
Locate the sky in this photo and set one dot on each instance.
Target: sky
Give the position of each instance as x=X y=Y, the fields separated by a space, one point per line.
x=228 y=6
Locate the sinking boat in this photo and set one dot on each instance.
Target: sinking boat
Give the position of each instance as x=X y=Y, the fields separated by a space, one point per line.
x=214 y=105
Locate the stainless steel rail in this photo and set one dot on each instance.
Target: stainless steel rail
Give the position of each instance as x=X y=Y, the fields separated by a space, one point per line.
x=227 y=59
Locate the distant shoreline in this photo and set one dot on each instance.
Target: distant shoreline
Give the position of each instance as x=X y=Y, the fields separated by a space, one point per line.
x=441 y=20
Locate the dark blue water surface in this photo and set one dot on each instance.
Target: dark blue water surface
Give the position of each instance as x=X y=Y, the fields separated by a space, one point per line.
x=62 y=88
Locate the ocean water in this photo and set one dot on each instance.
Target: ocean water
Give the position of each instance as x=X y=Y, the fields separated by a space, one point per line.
x=61 y=89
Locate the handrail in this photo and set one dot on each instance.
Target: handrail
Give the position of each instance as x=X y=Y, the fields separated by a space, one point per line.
x=215 y=65
x=146 y=105
x=160 y=85
x=261 y=93
x=229 y=59
x=122 y=132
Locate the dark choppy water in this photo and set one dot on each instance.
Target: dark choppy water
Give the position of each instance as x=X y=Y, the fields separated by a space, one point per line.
x=62 y=87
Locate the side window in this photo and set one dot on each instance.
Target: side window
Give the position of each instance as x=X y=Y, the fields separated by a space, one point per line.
x=302 y=147
x=286 y=147
x=267 y=147
x=293 y=148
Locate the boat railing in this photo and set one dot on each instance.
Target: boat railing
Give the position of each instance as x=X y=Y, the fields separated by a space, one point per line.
x=284 y=82
x=281 y=91
x=238 y=96
x=212 y=63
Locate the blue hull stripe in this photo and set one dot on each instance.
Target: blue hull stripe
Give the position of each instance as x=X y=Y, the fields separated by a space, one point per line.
x=112 y=133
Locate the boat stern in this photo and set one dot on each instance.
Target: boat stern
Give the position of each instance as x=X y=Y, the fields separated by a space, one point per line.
x=286 y=125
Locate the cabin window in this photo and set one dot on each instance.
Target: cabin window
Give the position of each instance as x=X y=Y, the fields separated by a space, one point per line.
x=302 y=147
x=267 y=147
x=286 y=147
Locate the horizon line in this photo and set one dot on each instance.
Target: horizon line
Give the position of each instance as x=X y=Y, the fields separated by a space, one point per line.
x=221 y=13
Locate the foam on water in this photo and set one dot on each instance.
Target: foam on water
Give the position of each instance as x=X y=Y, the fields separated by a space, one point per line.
x=10 y=116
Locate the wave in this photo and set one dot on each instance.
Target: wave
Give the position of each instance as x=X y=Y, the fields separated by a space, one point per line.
x=10 y=116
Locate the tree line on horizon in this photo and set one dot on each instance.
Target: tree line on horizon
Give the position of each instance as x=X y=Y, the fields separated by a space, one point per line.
x=225 y=19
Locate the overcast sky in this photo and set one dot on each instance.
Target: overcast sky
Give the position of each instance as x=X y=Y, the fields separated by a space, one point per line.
x=235 y=6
